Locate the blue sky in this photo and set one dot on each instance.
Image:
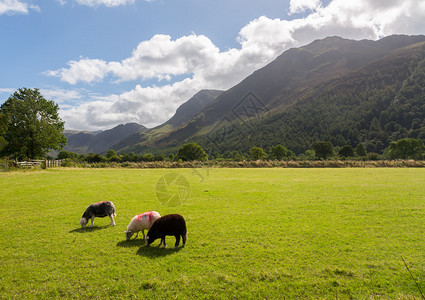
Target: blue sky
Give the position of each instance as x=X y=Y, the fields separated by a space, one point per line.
x=109 y=62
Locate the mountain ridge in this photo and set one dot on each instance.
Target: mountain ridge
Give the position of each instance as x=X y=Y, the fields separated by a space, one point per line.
x=332 y=89
x=99 y=141
x=280 y=86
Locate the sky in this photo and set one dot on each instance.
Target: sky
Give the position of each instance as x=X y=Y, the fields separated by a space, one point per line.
x=111 y=62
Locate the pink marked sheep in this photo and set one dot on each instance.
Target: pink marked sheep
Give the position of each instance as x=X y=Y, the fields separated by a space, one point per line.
x=141 y=223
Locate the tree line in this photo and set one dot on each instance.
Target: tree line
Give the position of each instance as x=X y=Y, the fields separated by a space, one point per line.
x=30 y=127
x=406 y=148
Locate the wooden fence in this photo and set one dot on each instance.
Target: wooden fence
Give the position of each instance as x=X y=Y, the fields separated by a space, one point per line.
x=40 y=163
x=53 y=163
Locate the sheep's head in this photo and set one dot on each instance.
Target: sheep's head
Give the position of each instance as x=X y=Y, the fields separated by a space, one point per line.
x=83 y=222
x=128 y=234
x=151 y=237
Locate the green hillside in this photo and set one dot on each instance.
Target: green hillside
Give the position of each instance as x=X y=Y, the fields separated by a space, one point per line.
x=380 y=103
x=338 y=90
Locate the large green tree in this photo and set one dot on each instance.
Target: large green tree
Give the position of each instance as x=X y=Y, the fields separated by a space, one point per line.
x=192 y=151
x=34 y=126
x=406 y=148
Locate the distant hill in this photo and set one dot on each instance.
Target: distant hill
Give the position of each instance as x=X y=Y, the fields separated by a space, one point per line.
x=78 y=141
x=334 y=89
x=100 y=141
x=192 y=107
x=183 y=115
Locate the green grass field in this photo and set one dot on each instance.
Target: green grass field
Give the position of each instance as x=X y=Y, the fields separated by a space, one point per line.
x=252 y=233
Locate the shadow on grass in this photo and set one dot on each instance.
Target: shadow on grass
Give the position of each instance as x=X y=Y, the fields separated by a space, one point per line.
x=131 y=243
x=89 y=229
x=154 y=252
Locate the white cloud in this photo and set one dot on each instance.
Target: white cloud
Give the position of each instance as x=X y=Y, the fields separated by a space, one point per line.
x=204 y=65
x=86 y=70
x=7 y=90
x=16 y=7
x=107 y=3
x=299 y=6
x=61 y=96
x=153 y=105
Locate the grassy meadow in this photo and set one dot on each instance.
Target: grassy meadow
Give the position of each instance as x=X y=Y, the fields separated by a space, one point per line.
x=252 y=233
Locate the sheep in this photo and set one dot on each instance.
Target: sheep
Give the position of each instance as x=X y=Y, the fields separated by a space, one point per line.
x=99 y=209
x=140 y=223
x=172 y=224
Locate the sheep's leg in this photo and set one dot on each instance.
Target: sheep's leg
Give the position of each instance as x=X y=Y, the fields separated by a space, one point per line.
x=112 y=220
x=163 y=242
x=184 y=239
x=137 y=234
x=92 y=220
x=177 y=241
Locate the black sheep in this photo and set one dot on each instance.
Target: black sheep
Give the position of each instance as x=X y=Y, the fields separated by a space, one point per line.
x=99 y=209
x=173 y=224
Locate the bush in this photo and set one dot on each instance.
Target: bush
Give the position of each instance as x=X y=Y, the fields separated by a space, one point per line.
x=346 y=151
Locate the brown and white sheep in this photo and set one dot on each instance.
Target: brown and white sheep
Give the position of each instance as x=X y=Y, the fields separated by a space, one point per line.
x=141 y=223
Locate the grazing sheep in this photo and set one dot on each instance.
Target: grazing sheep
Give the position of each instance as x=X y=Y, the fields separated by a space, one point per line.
x=140 y=223
x=99 y=209
x=173 y=224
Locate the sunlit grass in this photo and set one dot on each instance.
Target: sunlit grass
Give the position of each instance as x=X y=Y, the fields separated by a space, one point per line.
x=252 y=233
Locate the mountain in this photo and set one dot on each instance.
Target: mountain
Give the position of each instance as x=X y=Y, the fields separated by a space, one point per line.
x=78 y=141
x=184 y=114
x=334 y=89
x=100 y=141
x=192 y=107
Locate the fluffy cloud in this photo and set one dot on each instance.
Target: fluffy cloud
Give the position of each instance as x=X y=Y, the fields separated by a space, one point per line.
x=148 y=106
x=16 y=7
x=87 y=70
x=299 y=6
x=203 y=65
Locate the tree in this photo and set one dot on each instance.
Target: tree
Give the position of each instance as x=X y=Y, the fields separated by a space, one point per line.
x=346 y=151
x=34 y=126
x=257 y=153
x=3 y=128
x=111 y=153
x=322 y=149
x=310 y=154
x=278 y=152
x=95 y=158
x=406 y=148
x=148 y=157
x=361 y=150
x=67 y=154
x=191 y=151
